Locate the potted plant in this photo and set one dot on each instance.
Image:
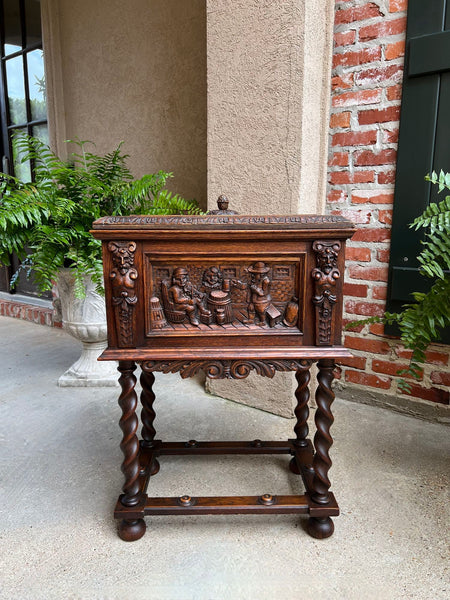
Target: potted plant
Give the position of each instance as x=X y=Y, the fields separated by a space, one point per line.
x=46 y=222
x=423 y=321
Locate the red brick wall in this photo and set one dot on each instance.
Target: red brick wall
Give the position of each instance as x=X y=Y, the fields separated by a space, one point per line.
x=366 y=96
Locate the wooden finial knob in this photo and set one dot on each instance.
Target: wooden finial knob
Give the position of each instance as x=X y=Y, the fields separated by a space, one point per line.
x=222 y=202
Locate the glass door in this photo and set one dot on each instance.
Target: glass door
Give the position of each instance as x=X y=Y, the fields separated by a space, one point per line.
x=23 y=104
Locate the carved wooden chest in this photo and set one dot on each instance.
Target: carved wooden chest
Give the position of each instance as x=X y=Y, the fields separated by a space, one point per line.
x=226 y=294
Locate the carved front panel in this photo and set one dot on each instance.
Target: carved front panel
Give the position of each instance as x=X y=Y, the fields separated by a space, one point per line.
x=233 y=297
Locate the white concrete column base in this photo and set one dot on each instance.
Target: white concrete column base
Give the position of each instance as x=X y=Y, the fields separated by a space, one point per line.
x=260 y=392
x=275 y=395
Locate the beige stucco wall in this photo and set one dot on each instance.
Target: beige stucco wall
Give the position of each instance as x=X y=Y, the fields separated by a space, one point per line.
x=132 y=71
x=269 y=67
x=269 y=70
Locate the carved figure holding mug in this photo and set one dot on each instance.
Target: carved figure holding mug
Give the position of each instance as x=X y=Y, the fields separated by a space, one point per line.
x=185 y=297
x=258 y=297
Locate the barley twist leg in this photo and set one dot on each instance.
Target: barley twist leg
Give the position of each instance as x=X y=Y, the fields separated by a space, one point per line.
x=148 y=415
x=301 y=411
x=129 y=530
x=323 y=527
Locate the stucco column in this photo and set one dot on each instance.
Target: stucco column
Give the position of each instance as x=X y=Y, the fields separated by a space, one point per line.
x=268 y=87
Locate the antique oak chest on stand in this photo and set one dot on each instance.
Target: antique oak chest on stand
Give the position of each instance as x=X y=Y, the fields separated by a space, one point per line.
x=227 y=294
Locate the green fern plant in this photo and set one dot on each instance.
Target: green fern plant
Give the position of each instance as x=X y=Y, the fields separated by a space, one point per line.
x=422 y=321
x=46 y=222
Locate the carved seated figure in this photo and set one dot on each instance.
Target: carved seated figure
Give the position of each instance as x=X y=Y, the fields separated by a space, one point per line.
x=182 y=300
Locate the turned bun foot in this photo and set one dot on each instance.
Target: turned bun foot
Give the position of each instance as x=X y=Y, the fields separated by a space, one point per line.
x=320 y=528
x=130 y=531
x=155 y=467
x=293 y=467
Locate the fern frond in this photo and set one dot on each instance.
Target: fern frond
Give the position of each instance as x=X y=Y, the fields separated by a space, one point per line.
x=423 y=321
x=173 y=204
x=52 y=216
x=436 y=216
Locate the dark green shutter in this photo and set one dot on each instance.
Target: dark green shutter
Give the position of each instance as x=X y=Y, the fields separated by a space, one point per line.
x=424 y=139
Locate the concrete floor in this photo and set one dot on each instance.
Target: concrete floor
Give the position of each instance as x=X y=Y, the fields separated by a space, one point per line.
x=60 y=479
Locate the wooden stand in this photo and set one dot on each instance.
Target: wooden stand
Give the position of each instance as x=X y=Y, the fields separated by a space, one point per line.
x=141 y=461
x=279 y=283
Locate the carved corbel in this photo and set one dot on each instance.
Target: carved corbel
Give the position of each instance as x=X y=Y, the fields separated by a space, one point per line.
x=325 y=276
x=123 y=281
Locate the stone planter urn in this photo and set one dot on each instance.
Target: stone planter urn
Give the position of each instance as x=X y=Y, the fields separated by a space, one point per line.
x=85 y=319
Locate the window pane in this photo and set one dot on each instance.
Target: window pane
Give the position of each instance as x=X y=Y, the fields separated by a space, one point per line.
x=16 y=90
x=21 y=170
x=13 y=30
x=36 y=84
x=41 y=132
x=33 y=21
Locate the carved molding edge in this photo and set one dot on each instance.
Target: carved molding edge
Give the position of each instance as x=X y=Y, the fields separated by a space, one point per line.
x=222 y=219
x=325 y=275
x=123 y=277
x=225 y=369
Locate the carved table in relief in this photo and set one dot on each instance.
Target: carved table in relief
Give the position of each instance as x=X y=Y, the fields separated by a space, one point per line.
x=227 y=294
